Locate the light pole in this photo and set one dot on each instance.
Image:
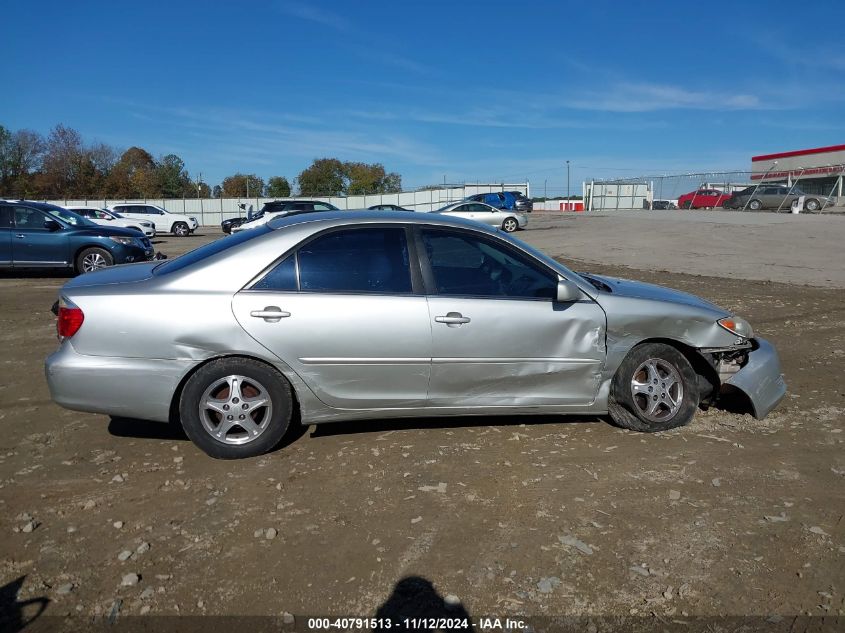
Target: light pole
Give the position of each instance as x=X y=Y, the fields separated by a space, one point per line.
x=567 y=182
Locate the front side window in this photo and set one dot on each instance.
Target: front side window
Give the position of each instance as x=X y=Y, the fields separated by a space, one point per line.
x=465 y=265
x=30 y=219
x=356 y=260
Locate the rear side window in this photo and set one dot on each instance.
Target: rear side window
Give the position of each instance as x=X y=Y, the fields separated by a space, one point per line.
x=5 y=217
x=282 y=277
x=357 y=260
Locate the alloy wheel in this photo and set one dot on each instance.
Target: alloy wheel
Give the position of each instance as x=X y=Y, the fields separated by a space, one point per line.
x=657 y=390
x=235 y=409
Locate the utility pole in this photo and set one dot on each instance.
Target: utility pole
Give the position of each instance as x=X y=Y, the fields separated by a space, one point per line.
x=567 y=181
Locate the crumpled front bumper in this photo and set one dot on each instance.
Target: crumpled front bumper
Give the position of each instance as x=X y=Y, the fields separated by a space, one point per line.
x=761 y=379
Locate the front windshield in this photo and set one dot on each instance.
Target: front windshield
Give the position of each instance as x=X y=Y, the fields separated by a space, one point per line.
x=69 y=217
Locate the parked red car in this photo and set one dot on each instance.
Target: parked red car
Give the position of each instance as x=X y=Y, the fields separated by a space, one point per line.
x=703 y=199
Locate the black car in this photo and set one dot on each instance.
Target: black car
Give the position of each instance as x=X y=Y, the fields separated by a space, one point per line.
x=41 y=235
x=275 y=206
x=387 y=207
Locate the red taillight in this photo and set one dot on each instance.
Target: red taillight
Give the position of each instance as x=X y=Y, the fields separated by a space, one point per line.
x=70 y=319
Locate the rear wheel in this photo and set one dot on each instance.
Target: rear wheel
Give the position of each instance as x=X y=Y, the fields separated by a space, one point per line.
x=236 y=407
x=654 y=389
x=180 y=229
x=93 y=259
x=755 y=205
x=510 y=225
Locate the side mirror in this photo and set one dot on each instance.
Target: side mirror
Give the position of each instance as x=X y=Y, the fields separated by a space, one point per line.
x=52 y=225
x=567 y=291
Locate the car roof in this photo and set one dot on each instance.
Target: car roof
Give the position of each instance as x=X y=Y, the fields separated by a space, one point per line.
x=364 y=216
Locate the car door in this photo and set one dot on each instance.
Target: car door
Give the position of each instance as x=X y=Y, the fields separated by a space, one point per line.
x=5 y=236
x=33 y=244
x=350 y=323
x=466 y=210
x=498 y=337
x=163 y=222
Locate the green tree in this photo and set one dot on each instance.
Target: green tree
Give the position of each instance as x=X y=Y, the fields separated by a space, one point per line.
x=325 y=177
x=173 y=179
x=331 y=177
x=242 y=186
x=278 y=187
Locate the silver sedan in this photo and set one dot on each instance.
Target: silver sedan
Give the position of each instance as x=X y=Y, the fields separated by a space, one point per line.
x=508 y=220
x=360 y=315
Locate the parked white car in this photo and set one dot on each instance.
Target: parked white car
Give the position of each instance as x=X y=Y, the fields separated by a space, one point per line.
x=164 y=221
x=104 y=217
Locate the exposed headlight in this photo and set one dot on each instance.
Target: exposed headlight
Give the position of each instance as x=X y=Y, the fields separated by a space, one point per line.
x=126 y=241
x=737 y=326
x=192 y=218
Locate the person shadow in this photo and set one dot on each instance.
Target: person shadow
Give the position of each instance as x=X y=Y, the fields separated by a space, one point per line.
x=14 y=615
x=415 y=599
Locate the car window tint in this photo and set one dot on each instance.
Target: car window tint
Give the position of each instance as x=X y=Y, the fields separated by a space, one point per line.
x=5 y=217
x=31 y=219
x=356 y=260
x=325 y=207
x=281 y=277
x=463 y=264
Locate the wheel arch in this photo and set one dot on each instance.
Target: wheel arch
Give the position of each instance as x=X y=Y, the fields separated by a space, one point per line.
x=78 y=251
x=708 y=378
x=296 y=409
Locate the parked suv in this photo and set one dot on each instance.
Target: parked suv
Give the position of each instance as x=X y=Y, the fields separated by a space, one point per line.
x=41 y=235
x=164 y=221
x=279 y=207
x=104 y=217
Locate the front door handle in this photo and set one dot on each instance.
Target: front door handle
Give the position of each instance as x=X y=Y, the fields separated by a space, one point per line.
x=271 y=314
x=20 y=236
x=453 y=319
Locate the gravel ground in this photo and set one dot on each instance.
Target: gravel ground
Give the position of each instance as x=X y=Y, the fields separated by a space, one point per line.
x=495 y=516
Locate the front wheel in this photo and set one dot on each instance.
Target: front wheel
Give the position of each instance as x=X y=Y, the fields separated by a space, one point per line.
x=812 y=205
x=236 y=407
x=654 y=389
x=180 y=229
x=93 y=259
x=755 y=205
x=510 y=225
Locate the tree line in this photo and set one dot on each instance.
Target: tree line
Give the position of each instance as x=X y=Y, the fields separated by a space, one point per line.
x=61 y=165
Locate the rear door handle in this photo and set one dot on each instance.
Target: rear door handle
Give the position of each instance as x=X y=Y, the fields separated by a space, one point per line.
x=453 y=319
x=271 y=314
x=20 y=235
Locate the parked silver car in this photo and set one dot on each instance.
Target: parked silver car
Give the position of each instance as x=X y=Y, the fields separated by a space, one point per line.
x=375 y=314
x=508 y=220
x=776 y=196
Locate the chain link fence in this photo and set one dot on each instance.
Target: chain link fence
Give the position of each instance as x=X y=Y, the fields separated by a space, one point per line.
x=811 y=189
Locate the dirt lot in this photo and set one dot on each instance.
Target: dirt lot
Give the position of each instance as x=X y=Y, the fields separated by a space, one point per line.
x=510 y=516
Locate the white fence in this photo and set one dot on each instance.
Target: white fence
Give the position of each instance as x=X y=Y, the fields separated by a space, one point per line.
x=212 y=211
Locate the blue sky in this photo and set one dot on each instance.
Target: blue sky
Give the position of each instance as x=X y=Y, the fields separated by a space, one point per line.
x=471 y=91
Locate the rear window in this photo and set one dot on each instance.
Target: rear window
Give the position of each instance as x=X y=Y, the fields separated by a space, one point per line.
x=209 y=250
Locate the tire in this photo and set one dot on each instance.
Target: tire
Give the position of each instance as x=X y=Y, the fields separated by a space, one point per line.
x=510 y=225
x=212 y=384
x=755 y=205
x=812 y=204
x=180 y=229
x=676 y=405
x=93 y=258
x=687 y=204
